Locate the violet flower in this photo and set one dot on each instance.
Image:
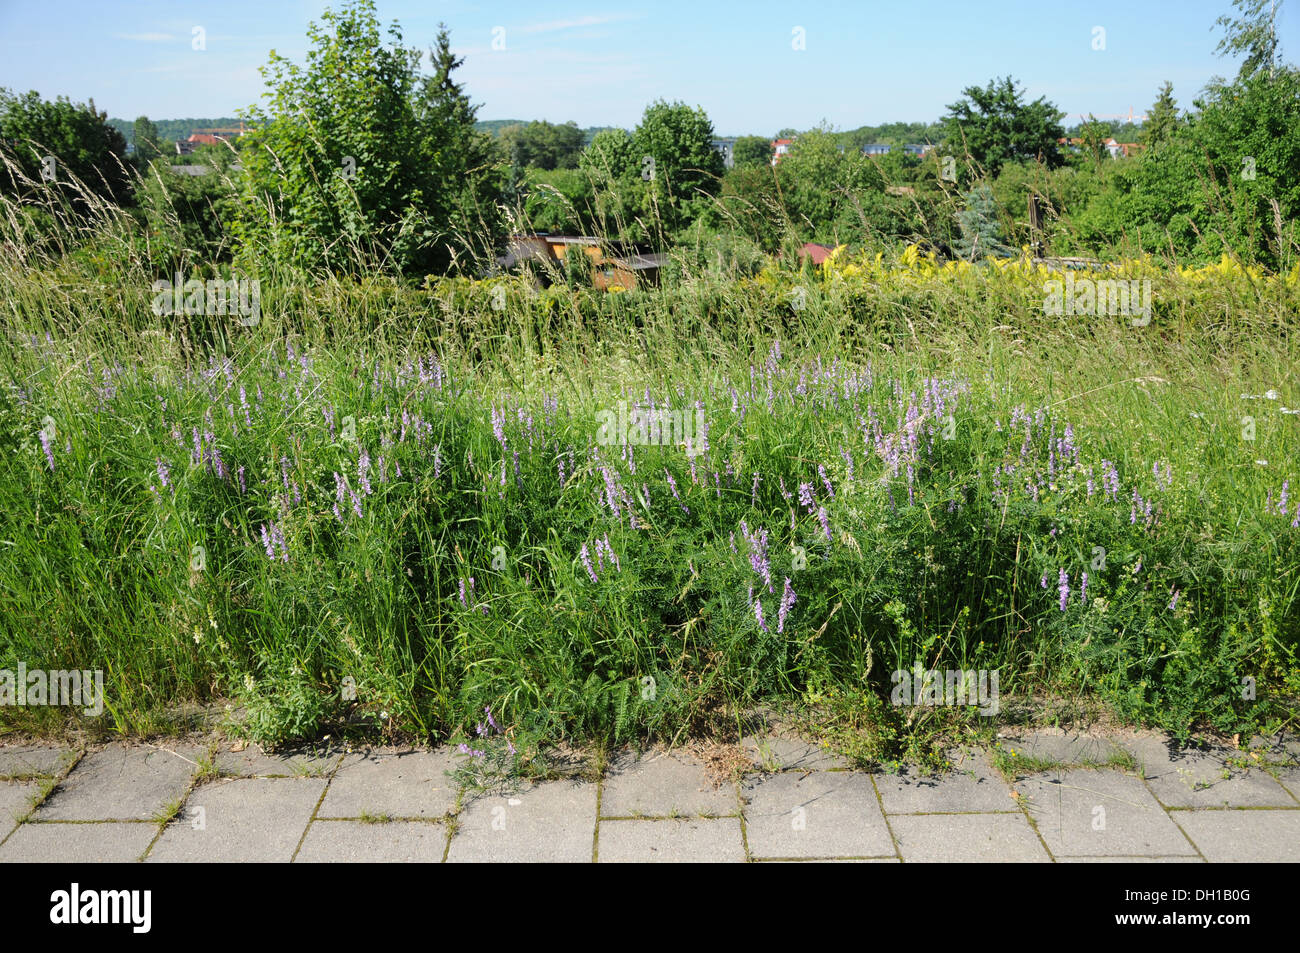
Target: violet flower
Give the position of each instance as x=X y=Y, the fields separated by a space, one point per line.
x=787 y=603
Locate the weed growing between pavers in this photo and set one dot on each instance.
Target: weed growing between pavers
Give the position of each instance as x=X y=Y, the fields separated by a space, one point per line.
x=352 y=520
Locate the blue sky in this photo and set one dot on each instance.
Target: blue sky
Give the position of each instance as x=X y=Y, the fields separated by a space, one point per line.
x=863 y=63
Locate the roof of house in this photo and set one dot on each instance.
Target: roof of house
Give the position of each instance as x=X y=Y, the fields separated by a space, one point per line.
x=818 y=253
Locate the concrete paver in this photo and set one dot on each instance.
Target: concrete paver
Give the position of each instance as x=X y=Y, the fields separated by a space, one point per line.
x=798 y=804
x=554 y=821
x=112 y=842
x=689 y=840
x=253 y=820
x=972 y=785
x=32 y=760
x=351 y=842
x=978 y=838
x=253 y=762
x=1237 y=836
x=661 y=785
x=1205 y=779
x=15 y=800
x=1091 y=813
x=122 y=783
x=787 y=752
x=406 y=784
x=824 y=814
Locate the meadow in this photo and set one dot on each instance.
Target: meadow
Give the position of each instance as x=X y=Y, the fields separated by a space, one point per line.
x=384 y=508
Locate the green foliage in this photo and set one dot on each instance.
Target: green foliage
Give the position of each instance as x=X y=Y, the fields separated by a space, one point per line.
x=89 y=155
x=751 y=151
x=358 y=158
x=1162 y=119
x=542 y=145
x=147 y=144
x=1253 y=36
x=981 y=232
x=1210 y=188
x=673 y=146
x=993 y=125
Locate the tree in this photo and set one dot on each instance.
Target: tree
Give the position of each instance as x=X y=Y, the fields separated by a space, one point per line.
x=674 y=146
x=147 y=147
x=62 y=144
x=1162 y=119
x=1211 y=189
x=981 y=234
x=1094 y=135
x=994 y=125
x=609 y=156
x=463 y=159
x=1252 y=35
x=359 y=160
x=751 y=151
x=541 y=145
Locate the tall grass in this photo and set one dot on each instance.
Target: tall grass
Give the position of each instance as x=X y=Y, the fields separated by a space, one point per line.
x=350 y=464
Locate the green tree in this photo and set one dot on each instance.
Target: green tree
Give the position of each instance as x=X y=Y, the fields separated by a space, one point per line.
x=994 y=125
x=542 y=145
x=60 y=144
x=609 y=156
x=981 y=233
x=1094 y=135
x=751 y=151
x=147 y=147
x=674 y=148
x=1210 y=190
x=1162 y=119
x=1252 y=35
x=358 y=160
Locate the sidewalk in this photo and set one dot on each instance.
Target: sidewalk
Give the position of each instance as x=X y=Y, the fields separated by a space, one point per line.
x=1068 y=798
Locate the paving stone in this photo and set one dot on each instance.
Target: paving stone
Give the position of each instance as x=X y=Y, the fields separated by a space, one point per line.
x=253 y=762
x=827 y=860
x=1196 y=779
x=785 y=752
x=971 y=785
x=662 y=784
x=1289 y=778
x=1128 y=819
x=406 y=784
x=550 y=822
x=28 y=760
x=114 y=843
x=15 y=799
x=254 y=820
x=121 y=783
x=1228 y=836
x=1129 y=860
x=352 y=842
x=966 y=838
x=1283 y=749
x=672 y=840
x=1055 y=744
x=824 y=814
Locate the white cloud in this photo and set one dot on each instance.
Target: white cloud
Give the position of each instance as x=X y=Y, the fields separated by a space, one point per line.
x=554 y=25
